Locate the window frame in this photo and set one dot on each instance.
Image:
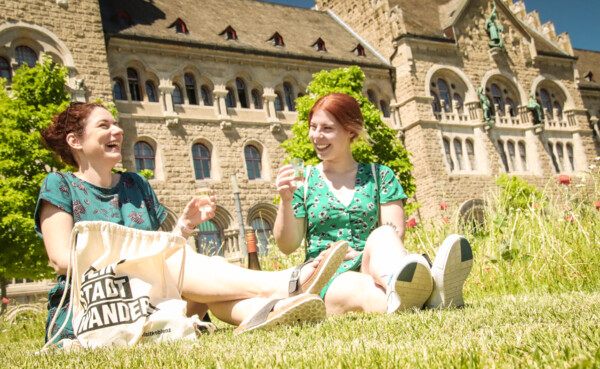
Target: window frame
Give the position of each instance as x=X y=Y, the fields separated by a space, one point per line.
x=141 y=158
x=253 y=160
x=201 y=161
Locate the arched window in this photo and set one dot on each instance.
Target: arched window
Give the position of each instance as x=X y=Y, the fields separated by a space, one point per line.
x=118 y=89
x=385 y=108
x=512 y=110
x=448 y=156
x=253 y=161
x=458 y=152
x=201 y=157
x=209 y=240
x=503 y=157
x=553 y=157
x=570 y=156
x=497 y=98
x=263 y=231
x=511 y=154
x=190 y=89
x=134 y=84
x=241 y=92
x=278 y=102
x=372 y=97
x=229 y=99
x=546 y=102
x=444 y=92
x=206 y=95
x=151 y=92
x=435 y=104
x=523 y=155
x=561 y=155
x=177 y=95
x=5 y=70
x=256 y=99
x=24 y=55
x=458 y=102
x=471 y=154
x=289 y=96
x=558 y=110
x=144 y=156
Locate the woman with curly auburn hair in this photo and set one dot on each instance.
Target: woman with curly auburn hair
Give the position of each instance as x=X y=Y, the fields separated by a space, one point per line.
x=87 y=136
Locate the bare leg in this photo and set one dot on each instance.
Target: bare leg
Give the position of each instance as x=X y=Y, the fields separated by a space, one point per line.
x=352 y=291
x=208 y=280
x=196 y=308
x=382 y=254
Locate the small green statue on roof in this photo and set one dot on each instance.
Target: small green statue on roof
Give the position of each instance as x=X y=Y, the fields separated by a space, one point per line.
x=535 y=109
x=485 y=104
x=494 y=29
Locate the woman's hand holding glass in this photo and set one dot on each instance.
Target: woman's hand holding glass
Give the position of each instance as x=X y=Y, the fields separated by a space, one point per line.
x=199 y=210
x=286 y=178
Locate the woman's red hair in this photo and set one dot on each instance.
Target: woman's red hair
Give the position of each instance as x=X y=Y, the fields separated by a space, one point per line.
x=344 y=108
x=71 y=120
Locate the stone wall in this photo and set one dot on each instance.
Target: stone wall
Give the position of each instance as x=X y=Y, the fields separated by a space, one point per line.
x=71 y=32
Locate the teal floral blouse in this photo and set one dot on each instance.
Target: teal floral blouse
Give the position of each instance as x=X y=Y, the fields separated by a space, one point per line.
x=329 y=220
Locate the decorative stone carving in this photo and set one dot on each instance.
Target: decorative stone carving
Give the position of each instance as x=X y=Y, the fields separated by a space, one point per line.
x=172 y=122
x=485 y=104
x=494 y=29
x=535 y=109
x=275 y=128
x=225 y=126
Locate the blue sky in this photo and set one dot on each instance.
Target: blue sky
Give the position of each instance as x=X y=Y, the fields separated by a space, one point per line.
x=577 y=17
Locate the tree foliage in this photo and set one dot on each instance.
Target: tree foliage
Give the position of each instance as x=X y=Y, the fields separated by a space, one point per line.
x=36 y=95
x=382 y=146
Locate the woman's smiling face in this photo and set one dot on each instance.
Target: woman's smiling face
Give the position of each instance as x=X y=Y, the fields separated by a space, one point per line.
x=102 y=137
x=329 y=138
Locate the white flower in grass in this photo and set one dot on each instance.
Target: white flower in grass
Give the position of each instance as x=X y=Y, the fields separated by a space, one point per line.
x=580 y=185
x=561 y=220
x=593 y=166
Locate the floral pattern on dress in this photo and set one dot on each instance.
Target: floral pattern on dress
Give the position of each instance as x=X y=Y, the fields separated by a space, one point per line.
x=329 y=220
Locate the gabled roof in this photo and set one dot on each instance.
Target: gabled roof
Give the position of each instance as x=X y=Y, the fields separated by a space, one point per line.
x=253 y=21
x=432 y=17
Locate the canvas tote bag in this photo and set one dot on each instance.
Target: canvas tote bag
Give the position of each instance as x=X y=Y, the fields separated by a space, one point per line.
x=122 y=292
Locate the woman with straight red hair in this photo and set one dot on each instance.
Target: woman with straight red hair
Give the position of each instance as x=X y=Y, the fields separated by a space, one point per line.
x=362 y=204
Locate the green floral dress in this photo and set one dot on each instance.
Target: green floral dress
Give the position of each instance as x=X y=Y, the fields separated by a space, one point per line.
x=329 y=220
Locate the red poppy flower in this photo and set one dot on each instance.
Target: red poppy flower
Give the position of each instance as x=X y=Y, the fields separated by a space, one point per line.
x=411 y=223
x=564 y=179
x=569 y=218
x=536 y=205
x=5 y=300
x=445 y=220
x=443 y=206
x=276 y=266
x=597 y=204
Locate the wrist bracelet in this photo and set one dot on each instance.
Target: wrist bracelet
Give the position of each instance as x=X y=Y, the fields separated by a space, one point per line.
x=182 y=225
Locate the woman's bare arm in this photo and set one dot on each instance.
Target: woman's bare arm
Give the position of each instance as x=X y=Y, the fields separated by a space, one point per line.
x=56 y=227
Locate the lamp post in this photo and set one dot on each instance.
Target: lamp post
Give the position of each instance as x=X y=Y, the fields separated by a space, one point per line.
x=238 y=206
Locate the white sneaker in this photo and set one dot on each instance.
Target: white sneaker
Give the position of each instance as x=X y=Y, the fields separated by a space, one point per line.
x=410 y=285
x=450 y=269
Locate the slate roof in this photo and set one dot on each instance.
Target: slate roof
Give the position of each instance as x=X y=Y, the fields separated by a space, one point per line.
x=589 y=61
x=254 y=22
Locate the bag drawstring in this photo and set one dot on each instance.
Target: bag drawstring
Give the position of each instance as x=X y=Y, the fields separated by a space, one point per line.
x=72 y=263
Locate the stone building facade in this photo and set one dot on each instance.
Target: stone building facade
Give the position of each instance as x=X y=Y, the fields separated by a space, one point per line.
x=206 y=91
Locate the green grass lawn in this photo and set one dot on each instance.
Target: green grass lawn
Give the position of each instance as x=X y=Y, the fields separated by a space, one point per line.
x=533 y=300
x=559 y=330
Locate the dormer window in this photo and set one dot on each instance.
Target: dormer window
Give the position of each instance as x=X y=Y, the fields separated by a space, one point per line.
x=229 y=33
x=320 y=45
x=359 y=50
x=123 y=19
x=589 y=77
x=179 y=25
x=276 y=39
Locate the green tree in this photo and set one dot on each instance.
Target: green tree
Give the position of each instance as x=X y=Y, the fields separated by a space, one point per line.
x=36 y=95
x=382 y=145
